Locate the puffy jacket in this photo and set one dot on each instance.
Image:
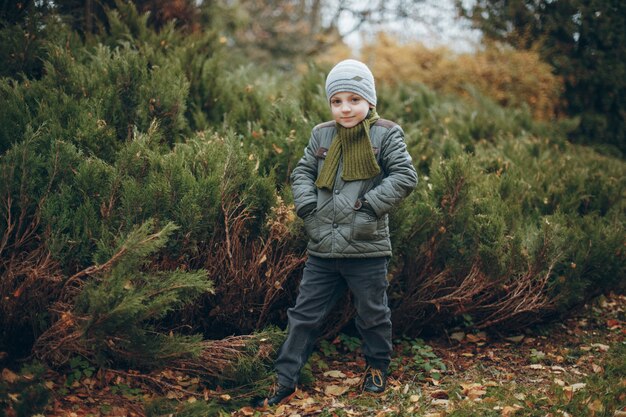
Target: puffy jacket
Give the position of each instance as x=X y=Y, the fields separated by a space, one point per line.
x=338 y=228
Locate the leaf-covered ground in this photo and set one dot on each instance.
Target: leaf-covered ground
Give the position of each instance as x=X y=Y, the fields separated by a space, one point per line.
x=572 y=368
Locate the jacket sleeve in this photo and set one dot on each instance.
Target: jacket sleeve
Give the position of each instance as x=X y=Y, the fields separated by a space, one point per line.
x=400 y=175
x=304 y=176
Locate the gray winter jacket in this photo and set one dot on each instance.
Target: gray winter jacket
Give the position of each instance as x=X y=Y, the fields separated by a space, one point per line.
x=338 y=227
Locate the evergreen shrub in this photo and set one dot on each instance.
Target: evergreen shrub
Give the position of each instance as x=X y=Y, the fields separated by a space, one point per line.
x=509 y=223
x=113 y=318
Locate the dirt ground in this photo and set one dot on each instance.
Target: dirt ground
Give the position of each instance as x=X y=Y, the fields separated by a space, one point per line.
x=570 y=368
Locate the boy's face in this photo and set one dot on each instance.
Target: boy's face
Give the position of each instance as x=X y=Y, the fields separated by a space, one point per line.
x=348 y=109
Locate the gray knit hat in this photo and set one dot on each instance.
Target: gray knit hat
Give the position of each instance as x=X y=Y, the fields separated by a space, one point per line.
x=351 y=76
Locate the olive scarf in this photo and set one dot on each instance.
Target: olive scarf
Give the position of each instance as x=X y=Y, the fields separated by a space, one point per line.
x=354 y=145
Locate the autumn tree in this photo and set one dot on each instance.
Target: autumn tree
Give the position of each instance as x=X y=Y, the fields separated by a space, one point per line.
x=584 y=40
x=285 y=31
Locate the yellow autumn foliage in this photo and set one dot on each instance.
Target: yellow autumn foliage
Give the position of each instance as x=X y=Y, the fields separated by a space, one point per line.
x=508 y=76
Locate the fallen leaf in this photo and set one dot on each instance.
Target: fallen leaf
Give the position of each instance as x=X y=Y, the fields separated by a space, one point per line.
x=303 y=402
x=225 y=397
x=171 y=395
x=336 y=390
x=478 y=337
x=439 y=394
x=352 y=381
x=613 y=324
x=335 y=374
x=247 y=411
x=441 y=402
x=508 y=410
x=9 y=376
x=458 y=336
x=520 y=396
x=597 y=368
x=537 y=366
x=473 y=391
x=119 y=411
x=570 y=390
x=596 y=406
x=515 y=339
x=414 y=398
x=600 y=346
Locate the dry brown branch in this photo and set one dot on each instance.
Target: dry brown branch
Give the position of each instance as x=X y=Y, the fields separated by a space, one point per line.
x=29 y=284
x=250 y=274
x=513 y=299
x=219 y=356
x=62 y=340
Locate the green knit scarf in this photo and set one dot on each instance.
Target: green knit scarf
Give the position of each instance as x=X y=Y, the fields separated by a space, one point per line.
x=354 y=145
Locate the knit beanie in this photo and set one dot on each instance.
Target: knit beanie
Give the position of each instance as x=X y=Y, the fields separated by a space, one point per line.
x=351 y=76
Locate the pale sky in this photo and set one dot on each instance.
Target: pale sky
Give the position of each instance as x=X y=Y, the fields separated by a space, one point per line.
x=438 y=25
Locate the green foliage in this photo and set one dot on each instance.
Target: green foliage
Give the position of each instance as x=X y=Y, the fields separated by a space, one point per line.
x=162 y=407
x=421 y=359
x=252 y=365
x=24 y=41
x=133 y=126
x=26 y=395
x=603 y=394
x=186 y=186
x=79 y=368
x=327 y=348
x=123 y=307
x=350 y=343
x=126 y=391
x=499 y=208
x=537 y=356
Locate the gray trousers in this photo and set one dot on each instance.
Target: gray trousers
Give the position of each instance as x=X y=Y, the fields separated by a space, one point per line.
x=324 y=281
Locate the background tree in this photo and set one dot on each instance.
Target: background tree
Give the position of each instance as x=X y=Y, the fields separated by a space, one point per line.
x=585 y=42
x=286 y=31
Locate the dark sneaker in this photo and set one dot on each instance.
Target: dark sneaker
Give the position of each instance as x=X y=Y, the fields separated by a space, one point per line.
x=375 y=381
x=281 y=395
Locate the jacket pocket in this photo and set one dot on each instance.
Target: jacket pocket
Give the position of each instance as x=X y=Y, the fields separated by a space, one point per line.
x=364 y=227
x=311 y=225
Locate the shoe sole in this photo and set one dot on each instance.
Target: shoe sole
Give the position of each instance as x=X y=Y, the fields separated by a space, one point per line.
x=372 y=393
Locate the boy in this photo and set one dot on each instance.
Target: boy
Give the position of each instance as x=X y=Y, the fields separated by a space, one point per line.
x=355 y=169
